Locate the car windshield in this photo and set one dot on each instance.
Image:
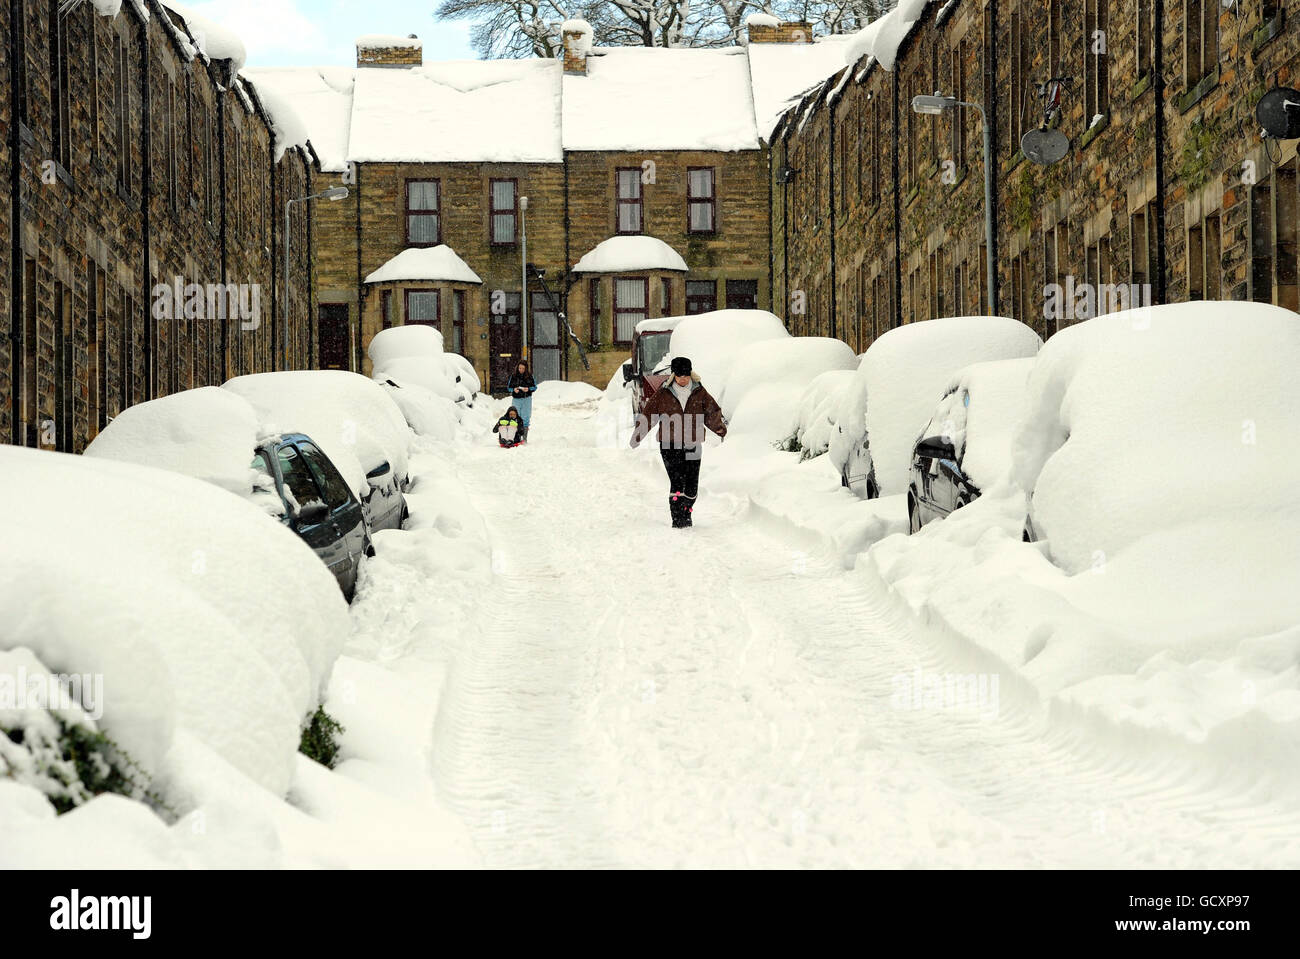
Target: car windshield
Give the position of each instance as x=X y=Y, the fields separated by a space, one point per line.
x=653 y=347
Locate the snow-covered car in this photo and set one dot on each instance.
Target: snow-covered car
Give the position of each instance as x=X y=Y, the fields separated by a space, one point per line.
x=312 y=499
x=900 y=378
x=210 y=434
x=965 y=447
x=1187 y=400
x=352 y=419
x=648 y=368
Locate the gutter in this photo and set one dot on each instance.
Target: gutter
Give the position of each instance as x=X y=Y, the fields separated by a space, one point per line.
x=16 y=305
x=1158 y=68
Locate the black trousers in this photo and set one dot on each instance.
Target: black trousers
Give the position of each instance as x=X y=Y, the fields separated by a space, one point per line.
x=683 y=466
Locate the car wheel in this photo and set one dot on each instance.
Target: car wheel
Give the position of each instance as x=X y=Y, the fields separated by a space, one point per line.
x=913 y=516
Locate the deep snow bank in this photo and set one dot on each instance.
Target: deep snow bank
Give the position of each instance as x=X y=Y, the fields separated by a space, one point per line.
x=1163 y=594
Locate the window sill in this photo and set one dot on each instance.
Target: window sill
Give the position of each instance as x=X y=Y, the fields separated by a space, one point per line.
x=26 y=135
x=912 y=194
x=1265 y=32
x=1197 y=93
x=1142 y=85
x=1094 y=131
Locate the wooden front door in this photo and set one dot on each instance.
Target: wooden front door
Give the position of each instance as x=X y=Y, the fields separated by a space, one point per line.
x=335 y=341
x=506 y=343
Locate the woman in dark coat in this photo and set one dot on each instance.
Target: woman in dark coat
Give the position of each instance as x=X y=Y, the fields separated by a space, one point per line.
x=522 y=386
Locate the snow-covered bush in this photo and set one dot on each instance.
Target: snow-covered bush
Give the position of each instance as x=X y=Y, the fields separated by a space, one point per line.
x=761 y=394
x=352 y=419
x=206 y=619
x=900 y=379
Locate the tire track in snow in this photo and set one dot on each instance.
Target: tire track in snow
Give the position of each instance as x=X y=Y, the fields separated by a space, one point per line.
x=629 y=702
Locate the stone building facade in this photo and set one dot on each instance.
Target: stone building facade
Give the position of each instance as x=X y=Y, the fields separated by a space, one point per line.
x=1167 y=193
x=707 y=206
x=143 y=177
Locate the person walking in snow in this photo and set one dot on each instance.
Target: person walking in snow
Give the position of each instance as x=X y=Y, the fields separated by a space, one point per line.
x=509 y=428
x=522 y=386
x=684 y=410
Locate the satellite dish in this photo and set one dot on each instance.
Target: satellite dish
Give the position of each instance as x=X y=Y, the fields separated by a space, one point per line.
x=1044 y=147
x=1278 y=112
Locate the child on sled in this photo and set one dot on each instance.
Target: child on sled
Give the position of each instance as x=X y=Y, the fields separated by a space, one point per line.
x=509 y=429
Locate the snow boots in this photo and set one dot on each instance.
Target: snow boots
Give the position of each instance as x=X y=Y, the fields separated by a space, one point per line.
x=680 y=506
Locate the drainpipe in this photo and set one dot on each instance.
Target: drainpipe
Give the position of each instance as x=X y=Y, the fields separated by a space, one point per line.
x=830 y=220
x=146 y=195
x=221 y=193
x=898 y=206
x=992 y=156
x=358 y=366
x=1158 y=67
x=771 y=268
x=568 y=285
x=16 y=306
x=785 y=230
x=312 y=308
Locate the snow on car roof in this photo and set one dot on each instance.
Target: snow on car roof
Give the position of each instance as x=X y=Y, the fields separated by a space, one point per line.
x=663 y=324
x=644 y=98
x=485 y=110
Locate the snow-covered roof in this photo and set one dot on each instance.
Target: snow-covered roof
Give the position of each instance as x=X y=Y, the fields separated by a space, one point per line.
x=315 y=101
x=781 y=72
x=436 y=263
x=881 y=38
x=646 y=98
x=624 y=254
x=214 y=41
x=462 y=110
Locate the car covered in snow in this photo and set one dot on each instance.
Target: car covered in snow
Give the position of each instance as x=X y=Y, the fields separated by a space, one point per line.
x=352 y=419
x=897 y=383
x=311 y=497
x=213 y=435
x=965 y=447
x=648 y=368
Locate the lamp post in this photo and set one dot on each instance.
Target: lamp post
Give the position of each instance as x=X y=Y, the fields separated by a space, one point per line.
x=333 y=193
x=936 y=105
x=523 y=259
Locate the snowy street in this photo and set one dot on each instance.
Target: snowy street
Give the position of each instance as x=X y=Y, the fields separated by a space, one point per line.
x=627 y=694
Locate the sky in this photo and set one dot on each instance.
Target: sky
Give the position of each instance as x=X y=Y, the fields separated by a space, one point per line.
x=323 y=32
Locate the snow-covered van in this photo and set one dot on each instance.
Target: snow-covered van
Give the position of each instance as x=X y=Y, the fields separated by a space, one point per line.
x=648 y=368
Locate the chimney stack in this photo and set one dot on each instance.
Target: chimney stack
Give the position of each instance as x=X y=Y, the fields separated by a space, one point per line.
x=577 y=46
x=766 y=29
x=378 y=50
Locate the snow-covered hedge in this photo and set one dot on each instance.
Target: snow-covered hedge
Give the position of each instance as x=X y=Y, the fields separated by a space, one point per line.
x=352 y=419
x=815 y=417
x=205 y=617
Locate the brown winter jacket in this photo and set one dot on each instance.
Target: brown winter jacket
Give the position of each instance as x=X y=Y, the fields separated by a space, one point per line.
x=680 y=428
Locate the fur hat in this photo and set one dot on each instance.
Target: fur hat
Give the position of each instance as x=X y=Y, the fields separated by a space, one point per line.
x=681 y=366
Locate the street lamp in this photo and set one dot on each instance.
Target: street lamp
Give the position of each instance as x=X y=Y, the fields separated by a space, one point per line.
x=523 y=289
x=936 y=105
x=333 y=193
